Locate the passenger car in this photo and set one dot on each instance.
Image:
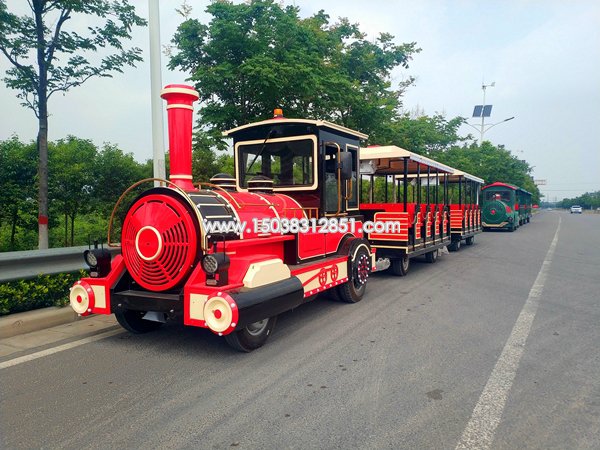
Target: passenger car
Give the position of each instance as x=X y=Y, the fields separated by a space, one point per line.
x=576 y=209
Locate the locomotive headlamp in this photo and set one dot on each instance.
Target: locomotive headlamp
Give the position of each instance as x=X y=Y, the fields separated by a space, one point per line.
x=215 y=262
x=215 y=265
x=99 y=261
x=210 y=263
x=90 y=258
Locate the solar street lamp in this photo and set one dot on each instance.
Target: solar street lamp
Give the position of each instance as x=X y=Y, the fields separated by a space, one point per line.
x=484 y=111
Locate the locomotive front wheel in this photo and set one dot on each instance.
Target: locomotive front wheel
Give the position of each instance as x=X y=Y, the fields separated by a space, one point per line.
x=454 y=246
x=252 y=336
x=432 y=257
x=133 y=321
x=400 y=266
x=469 y=240
x=353 y=290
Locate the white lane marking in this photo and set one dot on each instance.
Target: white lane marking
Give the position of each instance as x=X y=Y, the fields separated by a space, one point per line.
x=60 y=348
x=479 y=432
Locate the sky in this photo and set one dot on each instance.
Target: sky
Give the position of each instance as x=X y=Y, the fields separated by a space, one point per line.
x=542 y=55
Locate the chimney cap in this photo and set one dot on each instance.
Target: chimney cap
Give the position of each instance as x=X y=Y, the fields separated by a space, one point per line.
x=179 y=89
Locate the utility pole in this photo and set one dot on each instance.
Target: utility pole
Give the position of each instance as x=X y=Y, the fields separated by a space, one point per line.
x=158 y=142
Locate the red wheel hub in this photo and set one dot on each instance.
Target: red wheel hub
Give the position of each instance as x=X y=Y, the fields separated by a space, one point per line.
x=363 y=268
x=159 y=241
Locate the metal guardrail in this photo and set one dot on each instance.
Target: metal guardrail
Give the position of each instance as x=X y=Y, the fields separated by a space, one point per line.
x=31 y=263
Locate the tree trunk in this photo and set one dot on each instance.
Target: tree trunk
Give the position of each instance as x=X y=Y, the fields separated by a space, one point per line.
x=66 y=241
x=42 y=138
x=43 y=176
x=72 y=228
x=13 y=231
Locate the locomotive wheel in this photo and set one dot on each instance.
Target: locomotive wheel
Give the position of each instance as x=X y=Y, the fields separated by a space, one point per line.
x=400 y=266
x=470 y=240
x=432 y=257
x=132 y=321
x=252 y=336
x=454 y=246
x=359 y=269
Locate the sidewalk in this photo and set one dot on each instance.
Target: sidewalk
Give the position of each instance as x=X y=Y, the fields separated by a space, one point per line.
x=45 y=337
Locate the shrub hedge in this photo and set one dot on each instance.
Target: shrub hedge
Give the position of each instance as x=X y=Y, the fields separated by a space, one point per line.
x=40 y=292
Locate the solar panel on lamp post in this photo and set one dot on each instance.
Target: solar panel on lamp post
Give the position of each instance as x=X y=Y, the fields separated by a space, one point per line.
x=484 y=111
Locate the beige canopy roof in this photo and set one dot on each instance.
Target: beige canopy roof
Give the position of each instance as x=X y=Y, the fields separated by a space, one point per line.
x=455 y=177
x=389 y=160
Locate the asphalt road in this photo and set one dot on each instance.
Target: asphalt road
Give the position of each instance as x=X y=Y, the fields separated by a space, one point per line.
x=404 y=368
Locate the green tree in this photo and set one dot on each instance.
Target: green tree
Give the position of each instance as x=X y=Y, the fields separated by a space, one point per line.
x=426 y=135
x=492 y=163
x=258 y=55
x=113 y=172
x=589 y=200
x=46 y=59
x=71 y=184
x=17 y=189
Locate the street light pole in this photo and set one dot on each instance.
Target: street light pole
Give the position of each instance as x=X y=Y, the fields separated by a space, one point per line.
x=158 y=150
x=483 y=88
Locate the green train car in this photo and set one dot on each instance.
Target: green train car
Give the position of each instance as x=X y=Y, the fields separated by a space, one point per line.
x=505 y=206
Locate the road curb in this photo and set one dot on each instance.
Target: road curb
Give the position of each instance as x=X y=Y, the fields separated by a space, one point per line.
x=39 y=319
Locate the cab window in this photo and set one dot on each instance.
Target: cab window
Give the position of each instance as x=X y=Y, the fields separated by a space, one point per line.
x=287 y=163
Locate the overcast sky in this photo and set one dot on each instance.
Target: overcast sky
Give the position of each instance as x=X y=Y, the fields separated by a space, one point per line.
x=544 y=57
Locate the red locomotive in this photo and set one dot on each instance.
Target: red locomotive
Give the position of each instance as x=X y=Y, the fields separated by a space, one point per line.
x=213 y=256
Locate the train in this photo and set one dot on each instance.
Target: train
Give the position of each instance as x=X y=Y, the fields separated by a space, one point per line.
x=505 y=206
x=308 y=211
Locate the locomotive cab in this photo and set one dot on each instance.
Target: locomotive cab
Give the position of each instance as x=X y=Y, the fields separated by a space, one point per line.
x=315 y=162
